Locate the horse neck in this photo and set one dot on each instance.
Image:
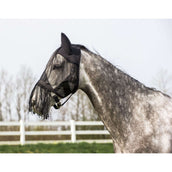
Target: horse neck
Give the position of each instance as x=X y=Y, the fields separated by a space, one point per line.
x=110 y=90
x=100 y=80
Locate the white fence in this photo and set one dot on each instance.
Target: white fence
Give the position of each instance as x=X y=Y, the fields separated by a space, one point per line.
x=72 y=132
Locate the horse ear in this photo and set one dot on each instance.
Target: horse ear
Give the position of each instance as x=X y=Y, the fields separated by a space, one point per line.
x=65 y=43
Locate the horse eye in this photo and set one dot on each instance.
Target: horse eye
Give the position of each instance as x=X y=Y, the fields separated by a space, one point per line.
x=57 y=66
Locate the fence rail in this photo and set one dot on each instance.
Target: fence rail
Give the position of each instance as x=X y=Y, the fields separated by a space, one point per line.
x=72 y=132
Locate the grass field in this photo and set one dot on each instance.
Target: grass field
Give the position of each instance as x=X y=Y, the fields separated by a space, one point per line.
x=59 y=148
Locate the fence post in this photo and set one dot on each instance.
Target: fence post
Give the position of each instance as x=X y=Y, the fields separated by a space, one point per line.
x=73 y=131
x=22 y=132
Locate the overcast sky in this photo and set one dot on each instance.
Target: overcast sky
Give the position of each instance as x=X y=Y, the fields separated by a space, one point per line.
x=139 y=47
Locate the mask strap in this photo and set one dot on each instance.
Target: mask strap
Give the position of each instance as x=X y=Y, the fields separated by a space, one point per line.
x=59 y=104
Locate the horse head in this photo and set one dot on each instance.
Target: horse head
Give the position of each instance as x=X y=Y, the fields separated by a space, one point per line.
x=59 y=79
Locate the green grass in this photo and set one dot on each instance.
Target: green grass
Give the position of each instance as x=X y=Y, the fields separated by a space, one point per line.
x=59 y=148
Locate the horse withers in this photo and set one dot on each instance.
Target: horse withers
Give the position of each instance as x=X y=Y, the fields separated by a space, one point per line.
x=138 y=118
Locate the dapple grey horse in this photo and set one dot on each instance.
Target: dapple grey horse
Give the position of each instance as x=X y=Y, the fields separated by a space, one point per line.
x=138 y=118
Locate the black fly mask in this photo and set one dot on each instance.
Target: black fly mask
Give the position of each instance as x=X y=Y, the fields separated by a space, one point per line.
x=59 y=80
